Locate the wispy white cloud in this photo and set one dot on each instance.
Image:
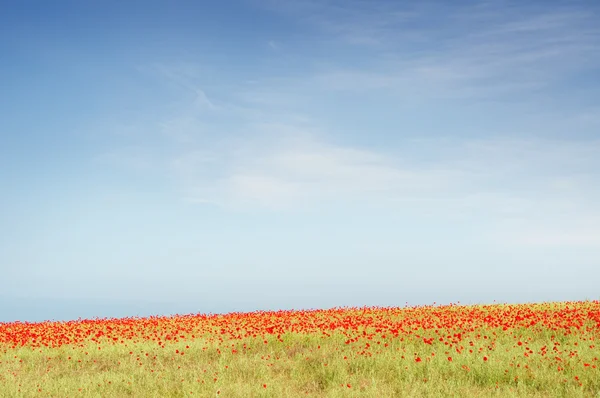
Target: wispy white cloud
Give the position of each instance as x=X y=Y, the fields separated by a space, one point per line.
x=358 y=22
x=183 y=74
x=277 y=156
x=300 y=171
x=517 y=185
x=202 y=101
x=473 y=52
x=285 y=166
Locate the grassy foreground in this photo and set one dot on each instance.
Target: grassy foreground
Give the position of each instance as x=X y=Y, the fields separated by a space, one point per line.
x=536 y=350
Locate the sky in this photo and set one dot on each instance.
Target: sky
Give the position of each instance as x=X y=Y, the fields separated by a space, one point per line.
x=162 y=157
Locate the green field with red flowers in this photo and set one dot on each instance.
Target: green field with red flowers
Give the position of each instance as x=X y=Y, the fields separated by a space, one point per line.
x=536 y=350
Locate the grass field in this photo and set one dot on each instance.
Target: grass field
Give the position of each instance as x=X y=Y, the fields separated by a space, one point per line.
x=536 y=350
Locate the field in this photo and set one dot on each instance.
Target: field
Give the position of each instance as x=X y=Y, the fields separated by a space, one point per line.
x=534 y=350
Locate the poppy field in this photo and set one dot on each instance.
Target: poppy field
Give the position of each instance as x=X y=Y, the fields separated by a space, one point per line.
x=534 y=350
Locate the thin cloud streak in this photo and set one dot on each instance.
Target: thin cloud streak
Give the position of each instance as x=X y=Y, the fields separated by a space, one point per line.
x=512 y=51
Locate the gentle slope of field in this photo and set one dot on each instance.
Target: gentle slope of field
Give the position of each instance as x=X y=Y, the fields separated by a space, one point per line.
x=537 y=350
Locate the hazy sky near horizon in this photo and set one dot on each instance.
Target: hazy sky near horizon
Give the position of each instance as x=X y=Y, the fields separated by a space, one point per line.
x=217 y=156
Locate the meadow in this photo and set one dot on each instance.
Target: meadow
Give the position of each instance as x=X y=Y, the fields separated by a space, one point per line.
x=500 y=350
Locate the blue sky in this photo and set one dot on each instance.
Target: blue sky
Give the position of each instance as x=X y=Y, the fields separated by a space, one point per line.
x=232 y=156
